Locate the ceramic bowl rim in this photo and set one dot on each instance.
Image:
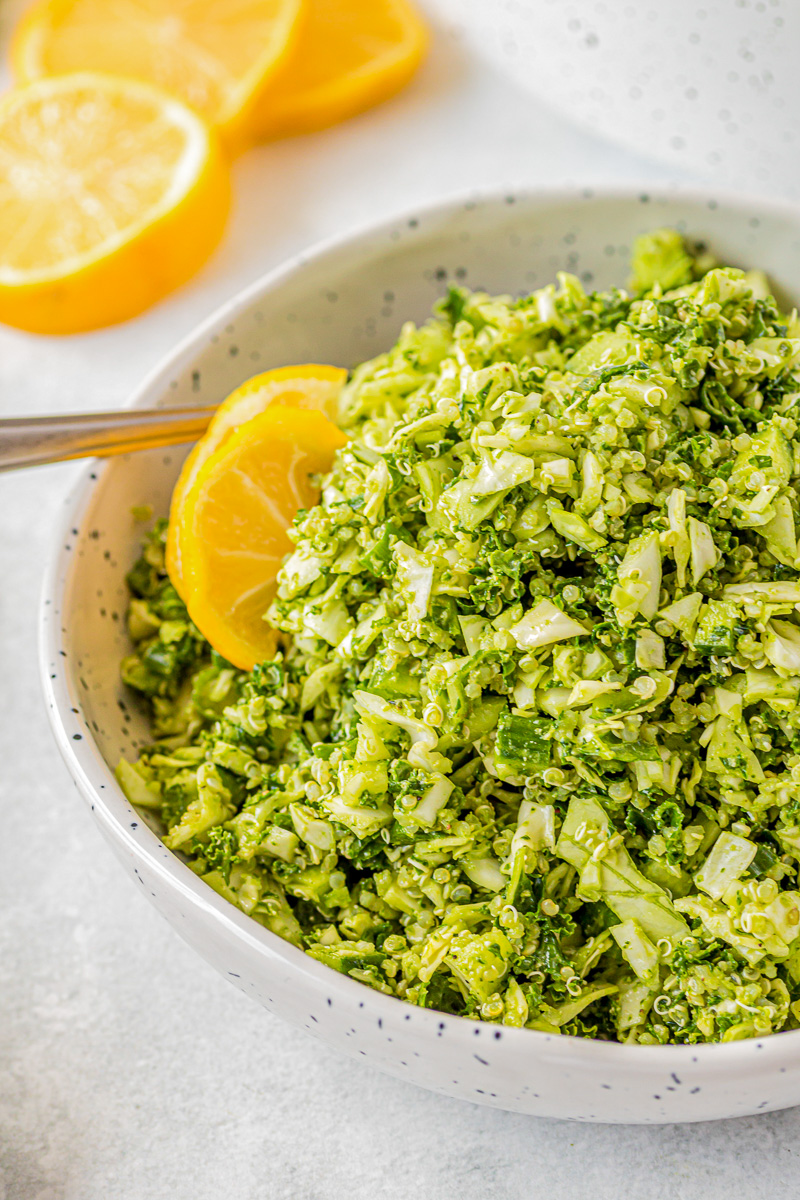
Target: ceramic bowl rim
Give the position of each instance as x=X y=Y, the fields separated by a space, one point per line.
x=95 y=779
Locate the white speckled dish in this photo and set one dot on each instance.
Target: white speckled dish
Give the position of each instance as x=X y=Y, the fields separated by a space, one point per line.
x=707 y=87
x=342 y=303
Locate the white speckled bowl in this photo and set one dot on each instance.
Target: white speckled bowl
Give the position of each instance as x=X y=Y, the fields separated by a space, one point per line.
x=707 y=85
x=341 y=303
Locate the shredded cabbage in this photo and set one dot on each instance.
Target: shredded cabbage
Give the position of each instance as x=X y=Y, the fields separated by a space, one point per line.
x=530 y=752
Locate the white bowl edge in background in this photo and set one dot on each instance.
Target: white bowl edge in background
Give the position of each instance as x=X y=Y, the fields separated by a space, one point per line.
x=707 y=86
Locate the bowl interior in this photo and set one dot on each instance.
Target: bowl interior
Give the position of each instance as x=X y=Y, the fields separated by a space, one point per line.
x=341 y=305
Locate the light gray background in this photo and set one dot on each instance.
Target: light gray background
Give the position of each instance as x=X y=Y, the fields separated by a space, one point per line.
x=128 y=1070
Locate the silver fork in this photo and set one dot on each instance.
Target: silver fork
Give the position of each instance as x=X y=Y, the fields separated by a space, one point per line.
x=32 y=441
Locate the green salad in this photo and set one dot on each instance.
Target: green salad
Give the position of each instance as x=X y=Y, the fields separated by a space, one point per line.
x=530 y=752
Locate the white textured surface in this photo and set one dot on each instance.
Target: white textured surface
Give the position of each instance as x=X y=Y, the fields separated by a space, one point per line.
x=128 y=1070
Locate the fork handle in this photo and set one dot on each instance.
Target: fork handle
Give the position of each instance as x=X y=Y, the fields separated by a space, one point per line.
x=31 y=441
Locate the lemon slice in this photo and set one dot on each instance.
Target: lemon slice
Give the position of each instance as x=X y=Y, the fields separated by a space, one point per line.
x=216 y=55
x=235 y=519
x=311 y=385
x=349 y=56
x=112 y=193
